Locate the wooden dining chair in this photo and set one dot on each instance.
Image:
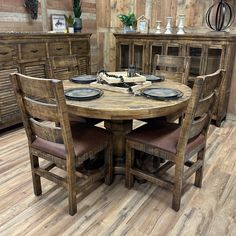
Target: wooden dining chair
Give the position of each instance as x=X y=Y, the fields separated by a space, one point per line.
x=42 y=104
x=175 y=68
x=63 y=67
x=177 y=143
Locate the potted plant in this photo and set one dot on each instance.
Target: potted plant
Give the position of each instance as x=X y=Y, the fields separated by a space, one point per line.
x=70 y=21
x=77 y=12
x=128 y=21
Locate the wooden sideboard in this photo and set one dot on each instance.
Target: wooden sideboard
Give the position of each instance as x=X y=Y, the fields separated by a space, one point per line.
x=27 y=53
x=208 y=53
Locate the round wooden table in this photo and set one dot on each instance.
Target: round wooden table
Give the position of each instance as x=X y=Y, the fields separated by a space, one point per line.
x=120 y=109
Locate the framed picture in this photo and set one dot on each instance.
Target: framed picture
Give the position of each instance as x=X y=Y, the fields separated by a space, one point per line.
x=58 y=23
x=142 y=24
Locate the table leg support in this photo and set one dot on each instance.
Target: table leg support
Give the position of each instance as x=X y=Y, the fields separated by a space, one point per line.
x=119 y=128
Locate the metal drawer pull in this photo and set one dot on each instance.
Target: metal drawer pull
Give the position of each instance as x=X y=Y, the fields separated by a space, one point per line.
x=59 y=49
x=34 y=50
x=3 y=53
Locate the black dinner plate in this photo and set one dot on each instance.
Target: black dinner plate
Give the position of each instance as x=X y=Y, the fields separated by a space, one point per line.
x=162 y=93
x=154 y=78
x=84 y=79
x=83 y=94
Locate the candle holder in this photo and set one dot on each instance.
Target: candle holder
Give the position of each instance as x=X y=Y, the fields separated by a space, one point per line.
x=168 y=25
x=158 y=29
x=181 y=24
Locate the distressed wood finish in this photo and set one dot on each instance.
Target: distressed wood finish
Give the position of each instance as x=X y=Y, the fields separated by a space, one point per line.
x=115 y=210
x=62 y=67
x=172 y=67
x=53 y=108
x=119 y=109
x=27 y=54
x=178 y=151
x=209 y=52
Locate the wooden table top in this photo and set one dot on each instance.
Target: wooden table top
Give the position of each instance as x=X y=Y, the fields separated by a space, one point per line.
x=121 y=106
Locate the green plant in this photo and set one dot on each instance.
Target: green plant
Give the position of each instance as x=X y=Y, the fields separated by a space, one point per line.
x=70 y=20
x=77 y=8
x=127 y=20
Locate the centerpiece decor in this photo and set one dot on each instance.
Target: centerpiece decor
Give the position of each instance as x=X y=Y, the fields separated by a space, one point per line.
x=77 y=12
x=220 y=16
x=128 y=21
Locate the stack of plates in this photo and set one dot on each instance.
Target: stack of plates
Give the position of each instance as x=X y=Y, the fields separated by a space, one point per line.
x=154 y=78
x=84 y=79
x=162 y=93
x=83 y=94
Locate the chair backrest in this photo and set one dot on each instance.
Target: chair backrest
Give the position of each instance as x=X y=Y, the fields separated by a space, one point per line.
x=201 y=106
x=172 y=67
x=43 y=100
x=63 y=67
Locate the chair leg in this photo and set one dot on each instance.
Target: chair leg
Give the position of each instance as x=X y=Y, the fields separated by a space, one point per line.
x=179 y=169
x=72 y=192
x=199 y=172
x=129 y=178
x=108 y=165
x=34 y=160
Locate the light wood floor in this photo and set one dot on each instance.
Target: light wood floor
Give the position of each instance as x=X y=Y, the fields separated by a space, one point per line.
x=114 y=210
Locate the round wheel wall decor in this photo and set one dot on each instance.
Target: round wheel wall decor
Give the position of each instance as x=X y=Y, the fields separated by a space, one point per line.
x=220 y=16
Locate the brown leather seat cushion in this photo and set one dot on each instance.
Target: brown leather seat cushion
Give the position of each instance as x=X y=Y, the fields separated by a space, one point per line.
x=85 y=138
x=162 y=135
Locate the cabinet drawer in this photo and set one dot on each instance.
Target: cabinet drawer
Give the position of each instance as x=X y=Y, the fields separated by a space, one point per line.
x=8 y=52
x=33 y=50
x=80 y=47
x=58 y=49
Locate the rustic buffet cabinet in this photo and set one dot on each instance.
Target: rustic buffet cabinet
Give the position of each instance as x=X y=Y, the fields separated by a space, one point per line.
x=208 y=53
x=28 y=54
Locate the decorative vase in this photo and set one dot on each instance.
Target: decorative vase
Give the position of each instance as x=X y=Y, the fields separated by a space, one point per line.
x=181 y=24
x=168 y=25
x=128 y=29
x=78 y=25
x=158 y=29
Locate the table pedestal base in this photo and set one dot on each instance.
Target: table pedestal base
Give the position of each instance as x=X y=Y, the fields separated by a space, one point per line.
x=119 y=128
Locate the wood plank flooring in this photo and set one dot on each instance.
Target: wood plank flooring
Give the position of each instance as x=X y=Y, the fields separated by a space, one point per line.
x=114 y=210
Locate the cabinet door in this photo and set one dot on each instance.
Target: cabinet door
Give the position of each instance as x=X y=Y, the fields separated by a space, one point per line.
x=35 y=69
x=155 y=49
x=195 y=51
x=214 y=59
x=174 y=49
x=124 y=56
x=9 y=112
x=83 y=65
x=138 y=57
